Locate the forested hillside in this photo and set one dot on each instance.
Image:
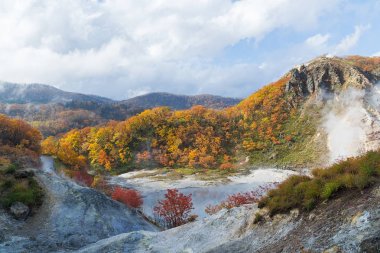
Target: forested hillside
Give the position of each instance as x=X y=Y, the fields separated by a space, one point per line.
x=275 y=125
x=17 y=138
x=197 y=138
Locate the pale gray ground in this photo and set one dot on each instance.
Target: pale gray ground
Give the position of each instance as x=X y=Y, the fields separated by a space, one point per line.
x=350 y=223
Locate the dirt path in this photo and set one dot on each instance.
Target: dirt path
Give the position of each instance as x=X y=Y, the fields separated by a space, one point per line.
x=38 y=221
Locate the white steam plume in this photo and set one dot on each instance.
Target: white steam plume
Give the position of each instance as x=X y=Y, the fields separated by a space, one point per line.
x=352 y=123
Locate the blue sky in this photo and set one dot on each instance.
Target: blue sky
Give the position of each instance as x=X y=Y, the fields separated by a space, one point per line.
x=124 y=48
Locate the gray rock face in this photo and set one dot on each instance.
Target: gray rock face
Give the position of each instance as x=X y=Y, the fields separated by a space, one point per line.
x=326 y=75
x=19 y=210
x=2 y=237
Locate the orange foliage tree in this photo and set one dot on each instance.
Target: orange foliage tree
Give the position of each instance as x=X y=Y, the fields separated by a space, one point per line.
x=19 y=142
x=17 y=133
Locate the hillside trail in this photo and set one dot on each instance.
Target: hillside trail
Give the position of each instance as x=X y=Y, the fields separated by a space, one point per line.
x=38 y=220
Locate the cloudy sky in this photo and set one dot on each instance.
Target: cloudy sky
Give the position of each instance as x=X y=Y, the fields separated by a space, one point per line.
x=124 y=48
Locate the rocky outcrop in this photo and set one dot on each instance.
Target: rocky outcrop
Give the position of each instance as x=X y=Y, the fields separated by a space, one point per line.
x=324 y=76
x=341 y=98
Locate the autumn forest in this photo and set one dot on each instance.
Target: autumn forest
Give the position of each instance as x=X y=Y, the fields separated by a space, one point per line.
x=196 y=138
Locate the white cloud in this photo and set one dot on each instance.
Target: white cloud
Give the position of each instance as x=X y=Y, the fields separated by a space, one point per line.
x=351 y=40
x=318 y=40
x=115 y=47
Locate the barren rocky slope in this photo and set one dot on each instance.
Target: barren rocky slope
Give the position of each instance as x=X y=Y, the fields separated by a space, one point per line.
x=350 y=223
x=71 y=217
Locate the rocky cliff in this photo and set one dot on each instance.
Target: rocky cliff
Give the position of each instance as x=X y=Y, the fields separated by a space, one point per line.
x=326 y=75
x=340 y=98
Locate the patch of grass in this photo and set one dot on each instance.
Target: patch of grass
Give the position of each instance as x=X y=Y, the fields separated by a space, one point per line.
x=11 y=169
x=27 y=192
x=330 y=188
x=116 y=171
x=258 y=218
x=306 y=192
x=187 y=171
x=167 y=175
x=7 y=184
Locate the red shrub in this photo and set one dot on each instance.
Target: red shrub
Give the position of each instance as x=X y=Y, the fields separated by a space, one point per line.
x=175 y=209
x=239 y=199
x=210 y=209
x=82 y=177
x=129 y=197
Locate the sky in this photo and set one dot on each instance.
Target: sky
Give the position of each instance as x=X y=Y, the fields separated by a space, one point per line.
x=124 y=48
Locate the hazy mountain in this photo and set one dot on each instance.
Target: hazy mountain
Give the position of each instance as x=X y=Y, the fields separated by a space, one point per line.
x=179 y=102
x=42 y=94
x=11 y=93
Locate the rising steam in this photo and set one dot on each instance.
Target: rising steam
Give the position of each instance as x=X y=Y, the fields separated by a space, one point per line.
x=352 y=123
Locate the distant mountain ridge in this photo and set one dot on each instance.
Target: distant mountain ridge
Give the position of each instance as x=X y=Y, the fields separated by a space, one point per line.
x=12 y=93
x=180 y=102
x=42 y=94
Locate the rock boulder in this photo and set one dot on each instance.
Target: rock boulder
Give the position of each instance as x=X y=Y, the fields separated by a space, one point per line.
x=19 y=210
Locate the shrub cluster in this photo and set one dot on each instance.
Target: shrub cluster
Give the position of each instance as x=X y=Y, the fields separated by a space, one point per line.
x=129 y=197
x=305 y=192
x=25 y=190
